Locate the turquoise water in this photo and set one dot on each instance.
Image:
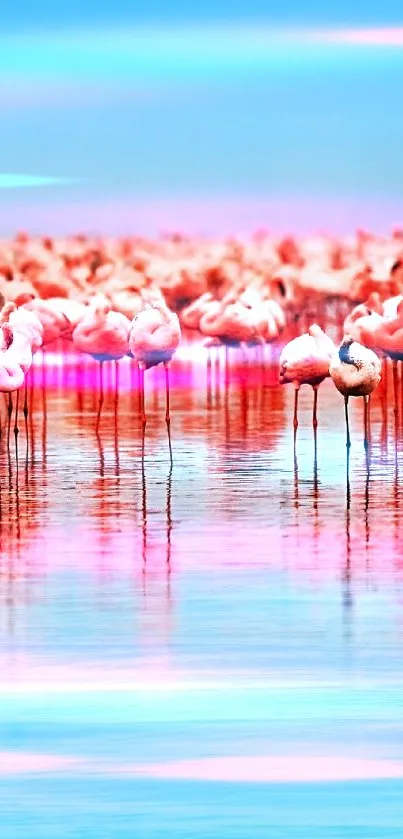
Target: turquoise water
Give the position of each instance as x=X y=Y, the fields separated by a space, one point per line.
x=214 y=652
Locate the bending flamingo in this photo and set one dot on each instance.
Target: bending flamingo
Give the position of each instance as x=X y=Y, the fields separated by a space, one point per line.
x=356 y=371
x=27 y=339
x=154 y=336
x=103 y=334
x=15 y=361
x=306 y=360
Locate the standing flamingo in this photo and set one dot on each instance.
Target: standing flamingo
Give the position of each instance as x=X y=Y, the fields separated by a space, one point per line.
x=103 y=334
x=26 y=324
x=306 y=360
x=154 y=336
x=27 y=338
x=15 y=361
x=356 y=371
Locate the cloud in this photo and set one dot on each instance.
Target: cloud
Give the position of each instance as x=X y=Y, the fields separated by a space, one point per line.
x=8 y=180
x=152 y=52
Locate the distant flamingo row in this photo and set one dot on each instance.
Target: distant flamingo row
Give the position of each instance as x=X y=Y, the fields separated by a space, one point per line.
x=239 y=289
x=247 y=315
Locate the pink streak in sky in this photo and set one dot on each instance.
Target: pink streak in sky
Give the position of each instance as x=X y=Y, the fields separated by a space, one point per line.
x=270 y=769
x=211 y=215
x=233 y=769
x=382 y=36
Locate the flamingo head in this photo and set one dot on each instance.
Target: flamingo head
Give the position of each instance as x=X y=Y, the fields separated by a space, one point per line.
x=344 y=349
x=6 y=312
x=373 y=303
x=7 y=337
x=315 y=331
x=396 y=266
x=24 y=298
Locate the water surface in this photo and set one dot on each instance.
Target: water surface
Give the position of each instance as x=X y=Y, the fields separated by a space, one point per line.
x=212 y=651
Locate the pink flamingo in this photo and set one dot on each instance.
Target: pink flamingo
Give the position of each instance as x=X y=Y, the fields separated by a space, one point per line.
x=104 y=335
x=15 y=361
x=55 y=321
x=27 y=339
x=306 y=360
x=378 y=325
x=192 y=314
x=154 y=336
x=356 y=371
x=12 y=371
x=389 y=339
x=239 y=322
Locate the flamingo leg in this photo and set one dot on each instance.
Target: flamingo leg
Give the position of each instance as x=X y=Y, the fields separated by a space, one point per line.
x=296 y=409
x=209 y=365
x=142 y=397
x=101 y=396
x=226 y=368
x=315 y=407
x=144 y=515
x=167 y=414
x=116 y=384
x=315 y=428
x=366 y=424
x=401 y=390
x=396 y=387
x=384 y=395
x=25 y=408
x=9 y=413
x=142 y=410
x=348 y=439
x=17 y=405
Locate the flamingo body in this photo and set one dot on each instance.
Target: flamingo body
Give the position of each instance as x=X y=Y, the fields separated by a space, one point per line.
x=27 y=324
x=154 y=336
x=12 y=373
x=306 y=359
x=355 y=370
x=103 y=334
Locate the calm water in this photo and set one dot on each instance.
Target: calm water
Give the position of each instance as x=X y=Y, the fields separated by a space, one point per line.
x=212 y=652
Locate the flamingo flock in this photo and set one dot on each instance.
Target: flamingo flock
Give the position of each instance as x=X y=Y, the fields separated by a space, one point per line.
x=135 y=298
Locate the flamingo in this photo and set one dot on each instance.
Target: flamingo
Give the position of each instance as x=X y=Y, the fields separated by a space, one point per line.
x=306 y=360
x=243 y=319
x=103 y=334
x=27 y=339
x=15 y=361
x=12 y=371
x=154 y=336
x=389 y=339
x=192 y=314
x=55 y=319
x=379 y=326
x=356 y=371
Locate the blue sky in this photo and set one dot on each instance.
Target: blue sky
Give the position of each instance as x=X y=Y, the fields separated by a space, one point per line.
x=141 y=110
x=45 y=13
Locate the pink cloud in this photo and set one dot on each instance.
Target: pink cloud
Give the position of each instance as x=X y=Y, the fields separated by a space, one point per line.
x=269 y=769
x=382 y=36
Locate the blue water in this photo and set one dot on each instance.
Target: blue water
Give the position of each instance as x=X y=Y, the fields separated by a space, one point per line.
x=103 y=807
x=236 y=609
